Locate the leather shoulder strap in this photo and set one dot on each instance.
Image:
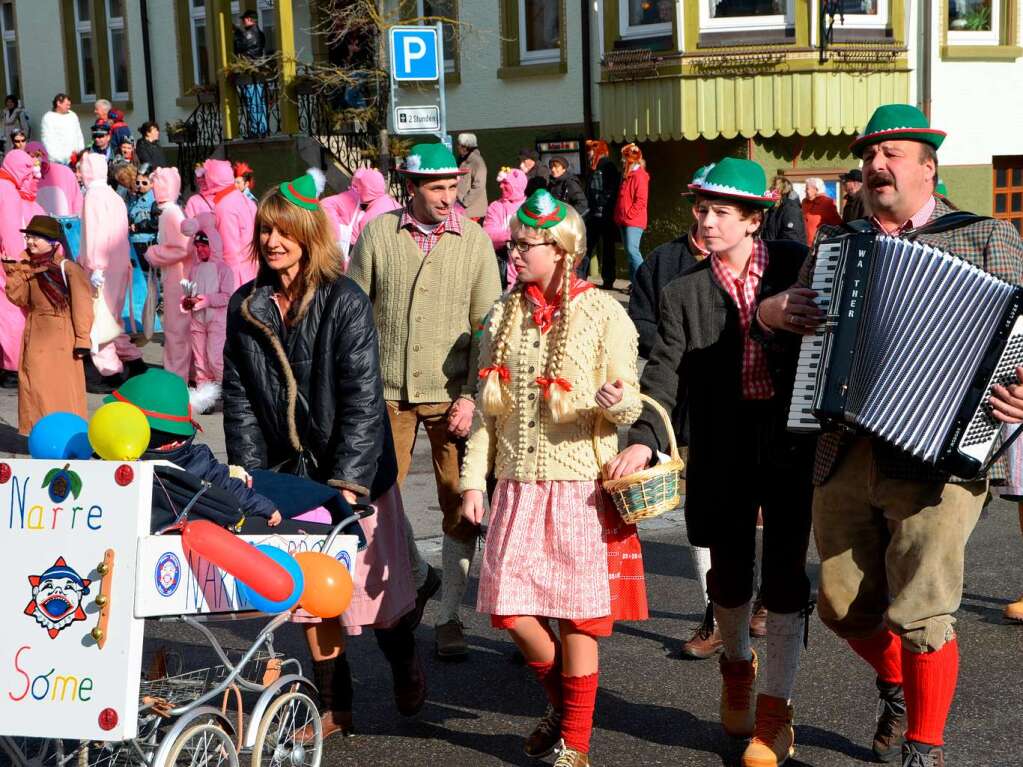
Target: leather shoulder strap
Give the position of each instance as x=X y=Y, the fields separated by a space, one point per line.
x=957 y=219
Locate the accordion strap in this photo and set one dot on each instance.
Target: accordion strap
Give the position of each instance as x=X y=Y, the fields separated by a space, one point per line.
x=1001 y=449
x=954 y=220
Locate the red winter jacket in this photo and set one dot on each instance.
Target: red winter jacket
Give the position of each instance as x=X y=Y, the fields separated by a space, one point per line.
x=630 y=210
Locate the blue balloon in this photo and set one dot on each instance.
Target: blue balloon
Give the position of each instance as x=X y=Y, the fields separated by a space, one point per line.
x=60 y=436
x=264 y=605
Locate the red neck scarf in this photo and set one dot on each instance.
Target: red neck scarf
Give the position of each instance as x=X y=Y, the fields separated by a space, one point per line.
x=224 y=193
x=544 y=312
x=23 y=194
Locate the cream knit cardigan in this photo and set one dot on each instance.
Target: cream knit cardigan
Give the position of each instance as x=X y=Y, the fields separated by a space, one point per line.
x=526 y=444
x=427 y=310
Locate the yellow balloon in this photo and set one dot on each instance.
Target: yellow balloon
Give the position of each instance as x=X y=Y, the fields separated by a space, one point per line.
x=119 y=431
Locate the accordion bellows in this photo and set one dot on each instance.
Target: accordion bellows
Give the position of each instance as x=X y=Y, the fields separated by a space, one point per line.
x=913 y=342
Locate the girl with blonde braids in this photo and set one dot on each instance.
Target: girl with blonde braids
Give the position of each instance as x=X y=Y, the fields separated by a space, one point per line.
x=558 y=364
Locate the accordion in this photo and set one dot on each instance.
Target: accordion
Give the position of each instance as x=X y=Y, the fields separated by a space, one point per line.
x=913 y=341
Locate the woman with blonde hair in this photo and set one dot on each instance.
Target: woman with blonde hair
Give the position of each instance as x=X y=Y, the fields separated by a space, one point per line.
x=303 y=395
x=558 y=361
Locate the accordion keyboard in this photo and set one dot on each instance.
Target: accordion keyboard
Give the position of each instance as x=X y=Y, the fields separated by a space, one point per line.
x=801 y=418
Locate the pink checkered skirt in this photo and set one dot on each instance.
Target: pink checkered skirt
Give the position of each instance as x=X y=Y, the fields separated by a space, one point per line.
x=559 y=549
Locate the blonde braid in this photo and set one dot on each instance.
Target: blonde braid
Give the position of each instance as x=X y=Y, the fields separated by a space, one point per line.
x=495 y=399
x=560 y=401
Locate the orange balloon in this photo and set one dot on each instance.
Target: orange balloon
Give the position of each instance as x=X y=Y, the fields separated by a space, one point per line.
x=328 y=585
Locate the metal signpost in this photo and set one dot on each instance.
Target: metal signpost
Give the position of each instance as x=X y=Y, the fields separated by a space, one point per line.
x=417 y=56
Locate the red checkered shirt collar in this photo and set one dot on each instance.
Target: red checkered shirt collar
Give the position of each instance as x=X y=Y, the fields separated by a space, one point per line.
x=426 y=240
x=756 y=377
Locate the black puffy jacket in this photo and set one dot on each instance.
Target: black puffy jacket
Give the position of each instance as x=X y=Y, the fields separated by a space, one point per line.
x=314 y=386
x=249 y=42
x=568 y=188
x=784 y=222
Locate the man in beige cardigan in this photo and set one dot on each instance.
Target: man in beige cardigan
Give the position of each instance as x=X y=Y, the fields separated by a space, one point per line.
x=431 y=274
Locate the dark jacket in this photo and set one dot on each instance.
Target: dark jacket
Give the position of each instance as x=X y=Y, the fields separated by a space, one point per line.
x=785 y=222
x=602 y=189
x=698 y=354
x=315 y=386
x=568 y=188
x=249 y=43
x=151 y=152
x=537 y=177
x=199 y=460
x=853 y=208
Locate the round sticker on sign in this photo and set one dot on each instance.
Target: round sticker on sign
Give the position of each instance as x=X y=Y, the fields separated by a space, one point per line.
x=168 y=573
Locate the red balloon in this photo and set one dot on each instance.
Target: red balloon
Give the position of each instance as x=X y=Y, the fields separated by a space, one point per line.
x=233 y=555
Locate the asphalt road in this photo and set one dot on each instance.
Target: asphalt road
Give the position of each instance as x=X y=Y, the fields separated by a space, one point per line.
x=653 y=708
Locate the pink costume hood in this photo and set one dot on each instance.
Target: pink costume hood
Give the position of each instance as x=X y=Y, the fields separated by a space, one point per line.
x=94 y=168
x=219 y=175
x=513 y=185
x=369 y=184
x=204 y=222
x=166 y=185
x=20 y=166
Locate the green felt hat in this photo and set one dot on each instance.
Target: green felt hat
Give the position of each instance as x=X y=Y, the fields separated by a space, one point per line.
x=162 y=396
x=734 y=179
x=898 y=122
x=542 y=210
x=305 y=190
x=700 y=173
x=431 y=160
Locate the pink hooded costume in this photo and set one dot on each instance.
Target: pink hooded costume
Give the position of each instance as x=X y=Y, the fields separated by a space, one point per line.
x=172 y=256
x=350 y=211
x=59 y=193
x=18 y=183
x=213 y=282
x=105 y=256
x=202 y=200
x=500 y=212
x=341 y=210
x=236 y=219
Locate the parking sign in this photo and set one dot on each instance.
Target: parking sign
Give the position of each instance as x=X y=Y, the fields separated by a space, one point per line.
x=415 y=54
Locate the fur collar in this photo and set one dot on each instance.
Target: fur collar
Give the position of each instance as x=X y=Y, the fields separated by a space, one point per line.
x=262 y=295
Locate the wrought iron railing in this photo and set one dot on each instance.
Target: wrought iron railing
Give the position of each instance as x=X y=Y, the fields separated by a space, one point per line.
x=199 y=135
x=259 y=105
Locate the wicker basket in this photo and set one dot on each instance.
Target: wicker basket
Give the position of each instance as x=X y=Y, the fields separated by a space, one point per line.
x=651 y=492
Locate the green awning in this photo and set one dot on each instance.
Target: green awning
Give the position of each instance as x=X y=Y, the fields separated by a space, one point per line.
x=686 y=107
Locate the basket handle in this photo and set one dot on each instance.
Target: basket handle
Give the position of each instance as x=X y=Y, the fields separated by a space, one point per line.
x=657 y=408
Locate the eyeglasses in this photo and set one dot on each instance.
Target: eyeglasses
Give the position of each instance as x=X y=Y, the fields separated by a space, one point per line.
x=524 y=247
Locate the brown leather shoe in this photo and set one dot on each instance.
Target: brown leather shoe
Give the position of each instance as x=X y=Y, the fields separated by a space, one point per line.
x=891 y=721
x=758 y=620
x=737 y=680
x=410 y=688
x=423 y=595
x=1014 y=611
x=919 y=755
x=773 y=739
x=705 y=641
x=571 y=758
x=332 y=723
x=451 y=641
x=546 y=736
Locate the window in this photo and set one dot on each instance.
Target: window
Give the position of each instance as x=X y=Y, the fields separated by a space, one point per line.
x=742 y=15
x=200 y=58
x=539 y=31
x=117 y=49
x=861 y=13
x=442 y=9
x=974 y=22
x=267 y=22
x=12 y=73
x=85 y=50
x=1008 y=190
x=646 y=18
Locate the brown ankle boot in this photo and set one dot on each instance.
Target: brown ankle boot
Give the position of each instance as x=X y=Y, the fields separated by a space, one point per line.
x=737 y=680
x=572 y=758
x=773 y=737
x=332 y=722
x=546 y=736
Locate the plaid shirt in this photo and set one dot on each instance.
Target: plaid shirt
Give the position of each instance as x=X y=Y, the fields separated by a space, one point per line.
x=425 y=239
x=756 y=378
x=991 y=245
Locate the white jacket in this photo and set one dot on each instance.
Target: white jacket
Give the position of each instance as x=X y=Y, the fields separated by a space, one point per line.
x=62 y=135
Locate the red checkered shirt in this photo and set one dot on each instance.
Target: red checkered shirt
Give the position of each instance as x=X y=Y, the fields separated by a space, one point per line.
x=426 y=240
x=756 y=378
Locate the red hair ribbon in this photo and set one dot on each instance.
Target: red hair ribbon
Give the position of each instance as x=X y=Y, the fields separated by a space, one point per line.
x=547 y=383
x=503 y=373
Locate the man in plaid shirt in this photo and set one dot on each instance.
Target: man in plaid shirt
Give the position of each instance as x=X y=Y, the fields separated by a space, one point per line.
x=890 y=530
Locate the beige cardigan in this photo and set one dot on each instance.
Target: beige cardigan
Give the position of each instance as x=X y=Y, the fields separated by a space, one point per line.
x=426 y=310
x=526 y=444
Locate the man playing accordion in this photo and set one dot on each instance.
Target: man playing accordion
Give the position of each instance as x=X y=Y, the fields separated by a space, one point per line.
x=891 y=530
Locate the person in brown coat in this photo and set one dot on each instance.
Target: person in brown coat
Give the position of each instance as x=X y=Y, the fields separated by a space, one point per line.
x=58 y=297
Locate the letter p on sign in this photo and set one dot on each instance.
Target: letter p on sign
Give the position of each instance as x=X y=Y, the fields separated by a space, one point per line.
x=415 y=53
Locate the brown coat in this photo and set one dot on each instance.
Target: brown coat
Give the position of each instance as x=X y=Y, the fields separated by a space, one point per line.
x=50 y=379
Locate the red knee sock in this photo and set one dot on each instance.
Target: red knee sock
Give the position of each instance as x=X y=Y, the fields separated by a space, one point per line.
x=580 y=696
x=549 y=675
x=883 y=652
x=929 y=684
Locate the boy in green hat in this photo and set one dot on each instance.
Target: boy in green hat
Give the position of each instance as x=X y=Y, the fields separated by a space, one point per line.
x=738 y=388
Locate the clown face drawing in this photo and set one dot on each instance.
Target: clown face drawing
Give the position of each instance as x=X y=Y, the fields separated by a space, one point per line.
x=57 y=597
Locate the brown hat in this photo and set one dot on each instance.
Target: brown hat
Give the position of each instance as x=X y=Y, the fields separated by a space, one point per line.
x=46 y=227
